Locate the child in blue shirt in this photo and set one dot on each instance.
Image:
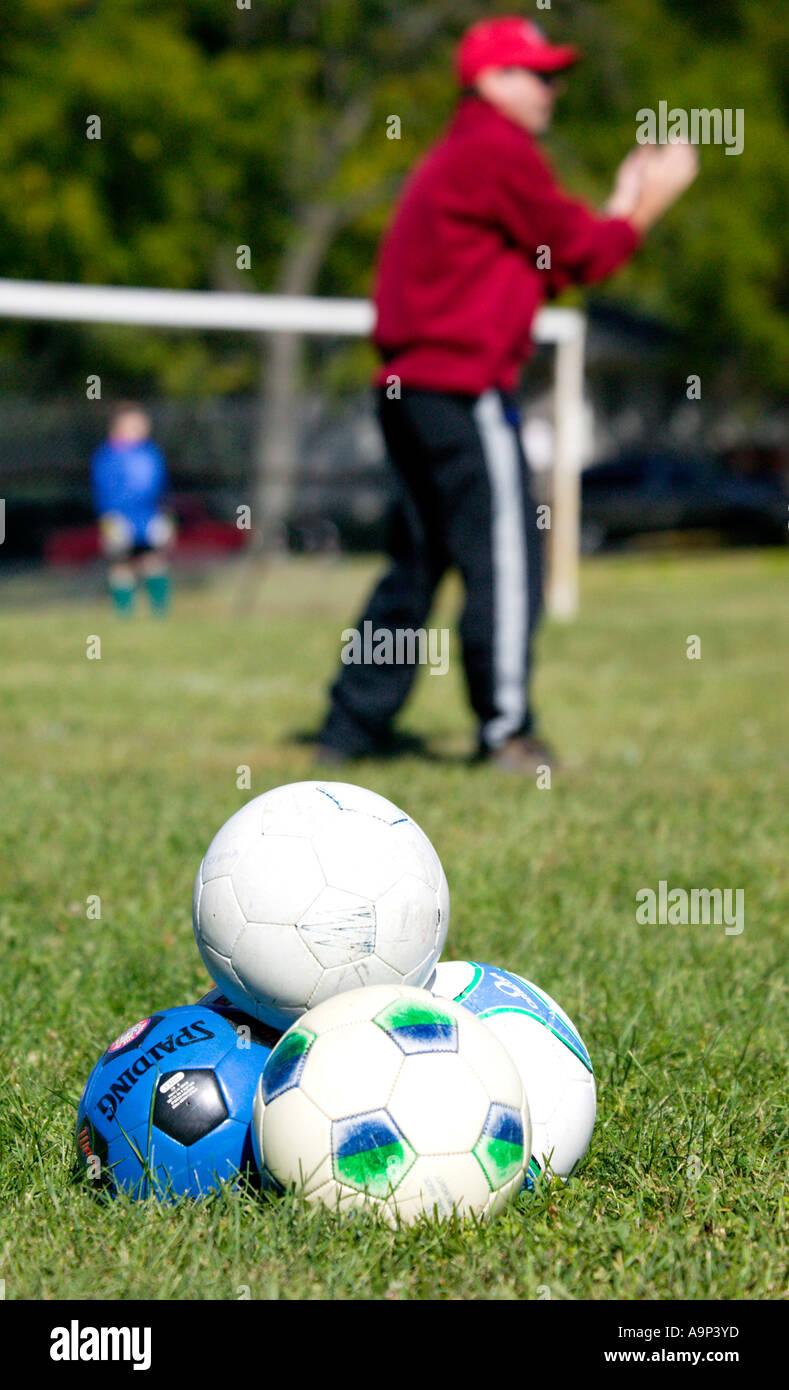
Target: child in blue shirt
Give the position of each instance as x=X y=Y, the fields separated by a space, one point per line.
x=130 y=479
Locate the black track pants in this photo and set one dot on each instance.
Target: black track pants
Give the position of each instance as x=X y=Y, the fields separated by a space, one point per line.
x=464 y=501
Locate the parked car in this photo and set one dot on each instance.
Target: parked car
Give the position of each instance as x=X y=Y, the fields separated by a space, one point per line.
x=644 y=493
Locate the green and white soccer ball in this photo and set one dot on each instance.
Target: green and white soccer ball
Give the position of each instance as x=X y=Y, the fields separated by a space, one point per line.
x=315 y=888
x=388 y=1097
x=547 y=1049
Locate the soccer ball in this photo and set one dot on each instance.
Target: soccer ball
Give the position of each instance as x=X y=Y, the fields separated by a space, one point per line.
x=388 y=1097
x=547 y=1049
x=313 y=889
x=166 y=1111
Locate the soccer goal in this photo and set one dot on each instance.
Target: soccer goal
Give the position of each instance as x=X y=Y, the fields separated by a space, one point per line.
x=263 y=313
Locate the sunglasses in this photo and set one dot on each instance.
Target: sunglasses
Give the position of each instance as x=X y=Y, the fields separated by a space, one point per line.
x=554 y=80
x=548 y=79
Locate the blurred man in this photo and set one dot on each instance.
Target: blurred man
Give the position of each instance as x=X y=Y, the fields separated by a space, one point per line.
x=129 y=483
x=482 y=236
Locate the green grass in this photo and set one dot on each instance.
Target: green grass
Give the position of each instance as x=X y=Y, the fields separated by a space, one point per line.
x=116 y=773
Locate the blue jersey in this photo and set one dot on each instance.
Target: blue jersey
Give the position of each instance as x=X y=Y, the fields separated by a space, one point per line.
x=130 y=479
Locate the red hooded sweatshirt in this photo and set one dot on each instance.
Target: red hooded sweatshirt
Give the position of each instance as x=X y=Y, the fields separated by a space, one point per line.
x=458 y=283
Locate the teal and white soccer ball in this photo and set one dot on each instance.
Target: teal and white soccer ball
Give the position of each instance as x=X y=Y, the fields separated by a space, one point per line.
x=316 y=888
x=547 y=1049
x=388 y=1097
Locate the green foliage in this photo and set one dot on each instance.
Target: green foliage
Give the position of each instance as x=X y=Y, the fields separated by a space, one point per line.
x=674 y=769
x=224 y=127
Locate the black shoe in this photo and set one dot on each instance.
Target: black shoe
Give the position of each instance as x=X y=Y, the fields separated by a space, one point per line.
x=390 y=745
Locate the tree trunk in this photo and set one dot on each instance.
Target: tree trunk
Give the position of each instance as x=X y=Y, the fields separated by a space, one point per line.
x=277 y=447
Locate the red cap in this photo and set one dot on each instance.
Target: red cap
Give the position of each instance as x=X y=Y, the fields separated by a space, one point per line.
x=509 y=43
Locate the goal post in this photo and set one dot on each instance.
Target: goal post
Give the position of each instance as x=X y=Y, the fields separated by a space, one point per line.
x=565 y=329
x=569 y=335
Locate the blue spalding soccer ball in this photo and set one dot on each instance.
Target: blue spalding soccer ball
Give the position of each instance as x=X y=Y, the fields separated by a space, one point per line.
x=167 y=1109
x=546 y=1047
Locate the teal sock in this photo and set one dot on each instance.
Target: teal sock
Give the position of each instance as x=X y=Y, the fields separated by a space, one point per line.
x=123 y=596
x=158 y=589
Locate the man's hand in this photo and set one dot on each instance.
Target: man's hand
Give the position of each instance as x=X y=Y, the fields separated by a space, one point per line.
x=650 y=180
x=628 y=182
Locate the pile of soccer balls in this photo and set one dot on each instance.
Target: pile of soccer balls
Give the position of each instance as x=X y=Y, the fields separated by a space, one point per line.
x=337 y=1055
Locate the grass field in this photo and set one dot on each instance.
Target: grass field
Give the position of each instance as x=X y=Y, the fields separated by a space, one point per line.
x=116 y=772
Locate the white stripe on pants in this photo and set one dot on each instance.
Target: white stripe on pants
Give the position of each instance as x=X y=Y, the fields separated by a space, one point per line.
x=510 y=574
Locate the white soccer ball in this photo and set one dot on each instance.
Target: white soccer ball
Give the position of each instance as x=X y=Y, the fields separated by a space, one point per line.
x=313 y=889
x=547 y=1049
x=388 y=1097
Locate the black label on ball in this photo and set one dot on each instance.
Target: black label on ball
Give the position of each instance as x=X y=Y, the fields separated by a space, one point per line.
x=188 y=1104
